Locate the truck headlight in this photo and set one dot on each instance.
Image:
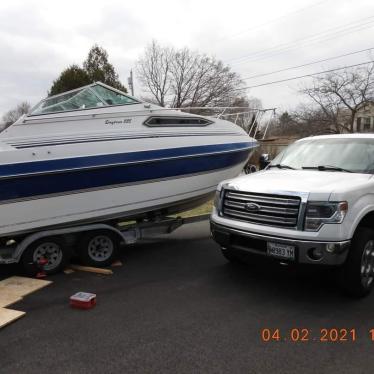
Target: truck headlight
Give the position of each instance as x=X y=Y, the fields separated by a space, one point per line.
x=217 y=200
x=319 y=213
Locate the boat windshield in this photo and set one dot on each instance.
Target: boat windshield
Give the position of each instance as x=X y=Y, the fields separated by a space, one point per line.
x=89 y=97
x=329 y=154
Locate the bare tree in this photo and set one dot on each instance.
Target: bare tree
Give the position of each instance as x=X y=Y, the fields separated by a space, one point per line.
x=303 y=121
x=153 y=71
x=12 y=115
x=183 y=75
x=181 y=78
x=341 y=94
x=309 y=120
x=244 y=111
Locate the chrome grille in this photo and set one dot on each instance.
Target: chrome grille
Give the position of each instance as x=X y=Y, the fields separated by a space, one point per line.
x=265 y=209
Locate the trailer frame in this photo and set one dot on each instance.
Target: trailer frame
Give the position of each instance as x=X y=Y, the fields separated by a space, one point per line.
x=127 y=233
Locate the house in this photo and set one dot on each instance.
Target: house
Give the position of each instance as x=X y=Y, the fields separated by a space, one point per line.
x=364 y=121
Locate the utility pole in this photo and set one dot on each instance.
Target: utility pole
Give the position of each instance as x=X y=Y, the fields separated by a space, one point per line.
x=130 y=82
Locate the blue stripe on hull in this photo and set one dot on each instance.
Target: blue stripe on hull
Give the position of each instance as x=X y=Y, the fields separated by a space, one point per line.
x=97 y=161
x=30 y=186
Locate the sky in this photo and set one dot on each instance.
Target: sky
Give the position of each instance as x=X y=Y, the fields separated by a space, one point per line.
x=38 y=39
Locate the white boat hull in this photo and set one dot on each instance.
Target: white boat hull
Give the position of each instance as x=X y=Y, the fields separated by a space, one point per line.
x=63 y=168
x=126 y=201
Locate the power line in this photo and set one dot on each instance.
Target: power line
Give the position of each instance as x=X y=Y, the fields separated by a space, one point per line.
x=307 y=64
x=275 y=20
x=303 y=76
x=265 y=57
x=331 y=30
x=329 y=34
x=337 y=31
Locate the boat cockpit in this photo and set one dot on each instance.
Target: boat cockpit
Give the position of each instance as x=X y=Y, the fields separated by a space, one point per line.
x=96 y=95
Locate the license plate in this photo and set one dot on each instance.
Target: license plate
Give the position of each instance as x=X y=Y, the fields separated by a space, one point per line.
x=281 y=251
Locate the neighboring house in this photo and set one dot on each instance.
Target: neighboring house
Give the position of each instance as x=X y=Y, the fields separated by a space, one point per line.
x=2 y=126
x=364 y=121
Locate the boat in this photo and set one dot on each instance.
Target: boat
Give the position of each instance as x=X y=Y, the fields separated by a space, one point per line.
x=97 y=154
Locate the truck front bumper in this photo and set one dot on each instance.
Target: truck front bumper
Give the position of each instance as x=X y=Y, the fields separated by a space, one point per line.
x=329 y=253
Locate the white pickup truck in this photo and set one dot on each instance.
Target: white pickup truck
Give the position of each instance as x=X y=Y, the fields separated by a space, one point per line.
x=313 y=204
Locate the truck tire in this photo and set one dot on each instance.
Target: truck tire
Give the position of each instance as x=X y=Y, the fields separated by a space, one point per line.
x=98 y=248
x=357 y=274
x=53 y=249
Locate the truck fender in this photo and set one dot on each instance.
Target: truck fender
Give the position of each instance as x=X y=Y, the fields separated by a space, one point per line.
x=363 y=212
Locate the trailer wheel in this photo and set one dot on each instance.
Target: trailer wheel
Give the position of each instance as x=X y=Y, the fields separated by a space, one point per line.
x=98 y=248
x=51 y=248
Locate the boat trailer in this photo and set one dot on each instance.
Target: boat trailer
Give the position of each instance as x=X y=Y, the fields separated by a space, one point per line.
x=96 y=244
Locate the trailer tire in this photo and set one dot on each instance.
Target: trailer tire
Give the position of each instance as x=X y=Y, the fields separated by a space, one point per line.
x=357 y=274
x=99 y=248
x=53 y=248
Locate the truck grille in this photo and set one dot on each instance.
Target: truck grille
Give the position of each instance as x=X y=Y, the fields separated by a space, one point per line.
x=264 y=209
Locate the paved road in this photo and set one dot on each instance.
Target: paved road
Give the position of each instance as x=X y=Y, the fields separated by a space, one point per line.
x=176 y=306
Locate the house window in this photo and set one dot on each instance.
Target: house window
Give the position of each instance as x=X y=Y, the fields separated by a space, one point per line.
x=367 y=124
x=359 y=123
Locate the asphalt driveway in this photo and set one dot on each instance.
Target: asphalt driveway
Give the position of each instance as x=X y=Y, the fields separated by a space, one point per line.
x=177 y=306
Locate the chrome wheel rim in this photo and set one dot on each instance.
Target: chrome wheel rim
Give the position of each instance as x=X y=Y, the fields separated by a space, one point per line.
x=367 y=264
x=49 y=251
x=100 y=248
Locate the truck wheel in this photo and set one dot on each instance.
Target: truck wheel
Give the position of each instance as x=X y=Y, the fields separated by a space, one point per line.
x=358 y=270
x=98 y=248
x=51 y=248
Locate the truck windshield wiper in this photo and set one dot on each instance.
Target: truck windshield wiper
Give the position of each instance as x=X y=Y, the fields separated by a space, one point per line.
x=281 y=166
x=327 y=167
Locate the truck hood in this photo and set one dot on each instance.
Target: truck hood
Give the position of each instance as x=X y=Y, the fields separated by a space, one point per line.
x=319 y=184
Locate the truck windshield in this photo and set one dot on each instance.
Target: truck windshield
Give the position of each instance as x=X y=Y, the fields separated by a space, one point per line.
x=347 y=154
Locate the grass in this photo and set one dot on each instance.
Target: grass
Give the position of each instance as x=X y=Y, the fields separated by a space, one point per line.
x=205 y=208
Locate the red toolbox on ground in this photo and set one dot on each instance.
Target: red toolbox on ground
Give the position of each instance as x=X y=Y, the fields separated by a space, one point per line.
x=83 y=300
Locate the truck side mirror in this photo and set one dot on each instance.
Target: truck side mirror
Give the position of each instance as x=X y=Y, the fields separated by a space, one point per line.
x=264 y=160
x=249 y=169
